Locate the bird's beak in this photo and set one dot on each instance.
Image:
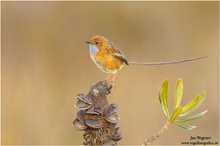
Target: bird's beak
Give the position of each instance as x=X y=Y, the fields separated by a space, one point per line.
x=88 y=42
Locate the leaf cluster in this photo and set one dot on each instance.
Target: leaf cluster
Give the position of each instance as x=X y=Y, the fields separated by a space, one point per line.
x=180 y=113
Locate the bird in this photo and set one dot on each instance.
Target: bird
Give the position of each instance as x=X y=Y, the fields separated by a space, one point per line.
x=109 y=59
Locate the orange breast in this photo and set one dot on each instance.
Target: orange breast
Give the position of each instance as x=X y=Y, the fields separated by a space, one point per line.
x=105 y=61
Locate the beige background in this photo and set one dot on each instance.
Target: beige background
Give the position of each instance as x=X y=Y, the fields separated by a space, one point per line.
x=45 y=63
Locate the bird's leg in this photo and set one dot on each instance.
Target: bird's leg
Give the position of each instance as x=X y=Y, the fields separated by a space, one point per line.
x=113 y=78
x=110 y=81
x=108 y=77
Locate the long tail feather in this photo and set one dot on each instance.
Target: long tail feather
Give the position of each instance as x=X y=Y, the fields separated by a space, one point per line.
x=166 y=63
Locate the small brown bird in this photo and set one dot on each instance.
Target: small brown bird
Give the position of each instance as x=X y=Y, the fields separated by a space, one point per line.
x=110 y=59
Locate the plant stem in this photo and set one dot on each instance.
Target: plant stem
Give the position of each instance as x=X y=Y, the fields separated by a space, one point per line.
x=156 y=135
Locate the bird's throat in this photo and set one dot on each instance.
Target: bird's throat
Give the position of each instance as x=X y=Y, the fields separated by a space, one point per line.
x=93 y=49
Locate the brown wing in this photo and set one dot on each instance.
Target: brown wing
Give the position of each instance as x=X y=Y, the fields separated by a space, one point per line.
x=122 y=58
x=117 y=53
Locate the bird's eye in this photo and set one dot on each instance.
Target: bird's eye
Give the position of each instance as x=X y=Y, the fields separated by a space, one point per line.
x=96 y=42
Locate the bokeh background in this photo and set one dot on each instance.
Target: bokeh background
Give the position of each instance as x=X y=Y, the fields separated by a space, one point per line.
x=45 y=63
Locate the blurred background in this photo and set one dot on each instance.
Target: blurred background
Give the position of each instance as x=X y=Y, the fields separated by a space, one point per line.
x=46 y=62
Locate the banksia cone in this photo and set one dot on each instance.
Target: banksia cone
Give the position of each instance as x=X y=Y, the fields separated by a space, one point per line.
x=96 y=117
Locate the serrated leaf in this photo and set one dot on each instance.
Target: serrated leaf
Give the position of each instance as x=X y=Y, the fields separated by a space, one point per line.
x=163 y=96
x=175 y=114
x=185 y=126
x=193 y=105
x=197 y=116
x=178 y=92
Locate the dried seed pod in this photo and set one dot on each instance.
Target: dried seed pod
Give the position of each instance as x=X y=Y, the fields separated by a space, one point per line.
x=113 y=118
x=110 y=143
x=110 y=109
x=80 y=117
x=84 y=98
x=116 y=127
x=81 y=105
x=96 y=92
x=93 y=123
x=96 y=117
x=98 y=110
x=117 y=136
x=92 y=111
x=79 y=125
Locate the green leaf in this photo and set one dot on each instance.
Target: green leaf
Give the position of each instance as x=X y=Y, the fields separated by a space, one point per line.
x=159 y=94
x=193 y=105
x=197 y=116
x=178 y=92
x=175 y=114
x=185 y=126
x=163 y=96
